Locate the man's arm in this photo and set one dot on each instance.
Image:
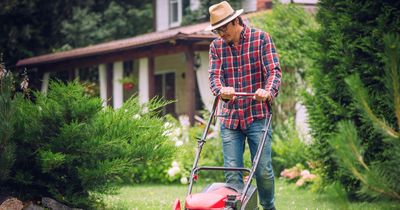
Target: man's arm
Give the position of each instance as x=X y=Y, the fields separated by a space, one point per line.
x=272 y=67
x=214 y=71
x=216 y=76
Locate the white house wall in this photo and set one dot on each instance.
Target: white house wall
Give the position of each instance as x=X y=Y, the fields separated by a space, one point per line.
x=162 y=17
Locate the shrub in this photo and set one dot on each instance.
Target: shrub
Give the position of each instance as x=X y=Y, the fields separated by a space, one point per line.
x=7 y=146
x=71 y=148
x=292 y=30
x=288 y=149
x=349 y=42
x=378 y=178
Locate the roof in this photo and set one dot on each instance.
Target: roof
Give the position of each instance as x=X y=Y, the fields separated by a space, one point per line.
x=195 y=32
x=187 y=32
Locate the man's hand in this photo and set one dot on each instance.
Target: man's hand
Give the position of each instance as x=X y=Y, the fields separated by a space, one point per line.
x=262 y=95
x=227 y=93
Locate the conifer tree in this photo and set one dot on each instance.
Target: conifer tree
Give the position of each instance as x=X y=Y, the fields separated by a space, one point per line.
x=378 y=178
x=349 y=41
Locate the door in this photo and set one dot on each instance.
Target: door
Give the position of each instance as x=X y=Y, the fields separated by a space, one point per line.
x=165 y=87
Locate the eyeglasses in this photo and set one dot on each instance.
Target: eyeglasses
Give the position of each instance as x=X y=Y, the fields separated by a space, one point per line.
x=221 y=29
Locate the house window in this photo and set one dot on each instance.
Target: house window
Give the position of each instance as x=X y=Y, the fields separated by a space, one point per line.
x=175 y=13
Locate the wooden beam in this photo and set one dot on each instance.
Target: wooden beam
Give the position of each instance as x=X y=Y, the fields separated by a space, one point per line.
x=190 y=82
x=156 y=50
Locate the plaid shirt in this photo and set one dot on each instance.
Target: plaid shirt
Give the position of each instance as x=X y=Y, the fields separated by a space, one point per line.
x=252 y=65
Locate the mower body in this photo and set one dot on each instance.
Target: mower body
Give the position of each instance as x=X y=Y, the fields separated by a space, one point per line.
x=222 y=197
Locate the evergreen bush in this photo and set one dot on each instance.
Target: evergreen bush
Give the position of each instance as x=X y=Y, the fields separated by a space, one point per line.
x=349 y=41
x=7 y=146
x=379 y=178
x=71 y=148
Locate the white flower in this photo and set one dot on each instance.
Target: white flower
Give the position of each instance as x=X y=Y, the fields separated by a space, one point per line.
x=177 y=132
x=178 y=143
x=173 y=171
x=184 y=120
x=167 y=125
x=175 y=164
x=184 y=180
x=136 y=116
x=24 y=84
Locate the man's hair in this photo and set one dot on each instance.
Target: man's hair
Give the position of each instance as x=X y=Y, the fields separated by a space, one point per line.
x=240 y=21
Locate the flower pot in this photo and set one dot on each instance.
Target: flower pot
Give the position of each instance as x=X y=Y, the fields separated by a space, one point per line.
x=128 y=86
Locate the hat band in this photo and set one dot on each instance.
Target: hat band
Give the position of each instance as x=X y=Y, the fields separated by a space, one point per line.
x=214 y=24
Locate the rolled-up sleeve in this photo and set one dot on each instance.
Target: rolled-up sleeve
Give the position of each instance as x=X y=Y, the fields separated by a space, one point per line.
x=271 y=64
x=215 y=71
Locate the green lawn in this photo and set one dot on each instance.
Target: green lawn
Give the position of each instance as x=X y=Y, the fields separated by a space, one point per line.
x=288 y=197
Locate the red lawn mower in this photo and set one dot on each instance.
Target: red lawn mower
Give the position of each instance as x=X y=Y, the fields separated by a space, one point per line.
x=222 y=196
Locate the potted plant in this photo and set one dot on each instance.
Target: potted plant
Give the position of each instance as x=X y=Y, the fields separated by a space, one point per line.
x=128 y=82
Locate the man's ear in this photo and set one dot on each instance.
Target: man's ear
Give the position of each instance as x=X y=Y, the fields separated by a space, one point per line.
x=235 y=21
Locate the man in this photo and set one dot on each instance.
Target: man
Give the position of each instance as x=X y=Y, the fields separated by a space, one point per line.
x=243 y=59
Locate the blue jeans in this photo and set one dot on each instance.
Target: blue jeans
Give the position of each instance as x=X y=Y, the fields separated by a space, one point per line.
x=233 y=148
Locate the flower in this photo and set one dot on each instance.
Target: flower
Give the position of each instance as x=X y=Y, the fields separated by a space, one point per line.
x=130 y=79
x=24 y=84
x=184 y=180
x=174 y=170
x=178 y=143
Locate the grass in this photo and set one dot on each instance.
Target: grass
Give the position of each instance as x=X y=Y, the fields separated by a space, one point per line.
x=288 y=197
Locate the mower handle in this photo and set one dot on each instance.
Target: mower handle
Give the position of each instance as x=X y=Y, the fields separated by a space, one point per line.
x=243 y=94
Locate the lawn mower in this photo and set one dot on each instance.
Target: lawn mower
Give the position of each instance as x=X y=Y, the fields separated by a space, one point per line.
x=223 y=196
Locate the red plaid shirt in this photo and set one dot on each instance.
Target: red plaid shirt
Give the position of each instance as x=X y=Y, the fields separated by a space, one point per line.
x=252 y=65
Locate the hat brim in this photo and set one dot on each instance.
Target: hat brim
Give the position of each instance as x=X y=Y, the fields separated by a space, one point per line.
x=211 y=27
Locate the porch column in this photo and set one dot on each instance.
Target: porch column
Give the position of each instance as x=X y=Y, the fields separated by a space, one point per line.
x=143 y=80
x=45 y=82
x=151 y=78
x=190 y=84
x=118 y=73
x=103 y=83
x=76 y=73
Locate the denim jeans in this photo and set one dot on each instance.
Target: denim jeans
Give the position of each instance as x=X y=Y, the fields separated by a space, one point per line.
x=233 y=144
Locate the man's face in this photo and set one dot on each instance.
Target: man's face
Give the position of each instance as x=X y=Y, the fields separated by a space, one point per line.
x=226 y=32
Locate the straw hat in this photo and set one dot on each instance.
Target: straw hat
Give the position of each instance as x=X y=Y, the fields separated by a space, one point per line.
x=220 y=14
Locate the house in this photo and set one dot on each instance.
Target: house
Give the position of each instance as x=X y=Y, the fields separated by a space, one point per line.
x=170 y=62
